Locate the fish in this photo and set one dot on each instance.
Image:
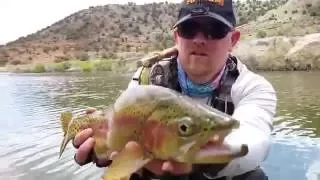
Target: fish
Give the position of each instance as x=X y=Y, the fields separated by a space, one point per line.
x=166 y=124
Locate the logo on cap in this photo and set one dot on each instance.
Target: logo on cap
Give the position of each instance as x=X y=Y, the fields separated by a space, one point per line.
x=217 y=2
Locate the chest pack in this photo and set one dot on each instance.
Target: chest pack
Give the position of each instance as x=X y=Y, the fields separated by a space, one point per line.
x=163 y=72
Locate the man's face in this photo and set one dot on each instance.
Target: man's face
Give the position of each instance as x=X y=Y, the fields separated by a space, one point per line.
x=204 y=45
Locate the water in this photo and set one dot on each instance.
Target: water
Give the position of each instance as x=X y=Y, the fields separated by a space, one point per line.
x=30 y=133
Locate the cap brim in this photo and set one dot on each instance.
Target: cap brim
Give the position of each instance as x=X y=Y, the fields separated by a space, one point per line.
x=209 y=14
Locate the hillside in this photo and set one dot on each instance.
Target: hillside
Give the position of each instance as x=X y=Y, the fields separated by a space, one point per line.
x=294 y=18
x=285 y=38
x=109 y=31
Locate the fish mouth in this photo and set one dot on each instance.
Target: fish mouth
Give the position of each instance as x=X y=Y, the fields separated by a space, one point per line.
x=220 y=153
x=224 y=126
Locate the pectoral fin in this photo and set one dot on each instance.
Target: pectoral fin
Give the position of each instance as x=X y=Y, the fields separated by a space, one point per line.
x=128 y=161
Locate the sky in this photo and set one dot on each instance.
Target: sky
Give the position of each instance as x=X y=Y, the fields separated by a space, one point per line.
x=22 y=17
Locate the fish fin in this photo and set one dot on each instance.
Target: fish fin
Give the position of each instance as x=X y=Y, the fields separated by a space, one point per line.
x=64 y=143
x=65 y=119
x=127 y=162
x=222 y=153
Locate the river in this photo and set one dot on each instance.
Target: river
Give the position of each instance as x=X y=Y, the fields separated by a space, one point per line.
x=30 y=131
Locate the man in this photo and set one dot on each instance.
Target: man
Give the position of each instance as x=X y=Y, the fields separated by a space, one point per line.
x=204 y=69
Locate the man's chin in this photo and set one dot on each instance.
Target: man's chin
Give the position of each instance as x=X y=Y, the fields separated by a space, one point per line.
x=198 y=70
x=198 y=59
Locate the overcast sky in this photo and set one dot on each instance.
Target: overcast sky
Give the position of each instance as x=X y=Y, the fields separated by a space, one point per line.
x=22 y=17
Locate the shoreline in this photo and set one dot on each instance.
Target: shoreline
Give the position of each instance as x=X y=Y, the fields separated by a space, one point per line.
x=277 y=53
x=96 y=65
x=109 y=66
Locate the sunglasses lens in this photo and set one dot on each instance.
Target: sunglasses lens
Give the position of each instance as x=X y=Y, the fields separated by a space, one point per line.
x=216 y=30
x=211 y=30
x=188 y=29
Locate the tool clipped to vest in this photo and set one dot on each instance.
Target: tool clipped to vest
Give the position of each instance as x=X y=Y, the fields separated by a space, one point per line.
x=160 y=69
x=166 y=53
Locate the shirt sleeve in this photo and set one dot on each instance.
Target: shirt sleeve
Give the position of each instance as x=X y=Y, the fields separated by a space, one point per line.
x=255 y=106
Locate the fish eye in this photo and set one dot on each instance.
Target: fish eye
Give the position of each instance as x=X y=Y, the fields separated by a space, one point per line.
x=186 y=127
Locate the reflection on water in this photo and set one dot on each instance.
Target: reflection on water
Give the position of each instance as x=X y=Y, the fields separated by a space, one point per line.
x=299 y=103
x=295 y=153
x=30 y=131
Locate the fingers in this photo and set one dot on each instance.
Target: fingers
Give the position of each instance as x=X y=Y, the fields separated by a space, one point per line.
x=83 y=151
x=82 y=137
x=102 y=162
x=105 y=162
x=132 y=145
x=113 y=155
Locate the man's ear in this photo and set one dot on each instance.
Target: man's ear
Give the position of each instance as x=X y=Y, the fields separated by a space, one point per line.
x=235 y=36
x=175 y=36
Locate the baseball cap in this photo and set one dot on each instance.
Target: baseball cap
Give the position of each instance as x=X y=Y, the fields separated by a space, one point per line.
x=221 y=10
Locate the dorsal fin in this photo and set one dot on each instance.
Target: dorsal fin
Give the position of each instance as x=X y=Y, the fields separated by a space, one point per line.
x=65 y=119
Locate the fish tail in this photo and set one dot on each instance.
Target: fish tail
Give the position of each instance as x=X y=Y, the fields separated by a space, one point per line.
x=72 y=126
x=64 y=143
x=65 y=119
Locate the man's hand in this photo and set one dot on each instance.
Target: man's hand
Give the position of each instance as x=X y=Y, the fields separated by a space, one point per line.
x=84 y=143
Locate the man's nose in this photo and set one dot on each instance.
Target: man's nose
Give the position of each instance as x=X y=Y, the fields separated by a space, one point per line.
x=199 y=39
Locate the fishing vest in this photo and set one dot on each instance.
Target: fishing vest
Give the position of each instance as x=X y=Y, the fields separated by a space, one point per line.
x=164 y=73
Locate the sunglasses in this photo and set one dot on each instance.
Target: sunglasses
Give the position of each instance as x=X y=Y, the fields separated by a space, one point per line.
x=211 y=30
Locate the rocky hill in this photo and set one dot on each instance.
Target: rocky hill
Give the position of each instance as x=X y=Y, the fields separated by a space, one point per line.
x=294 y=18
x=285 y=38
x=109 y=31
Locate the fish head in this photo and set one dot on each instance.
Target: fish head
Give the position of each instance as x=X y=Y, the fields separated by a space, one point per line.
x=182 y=136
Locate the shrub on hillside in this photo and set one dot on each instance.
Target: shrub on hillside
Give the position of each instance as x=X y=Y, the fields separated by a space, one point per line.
x=3 y=61
x=39 y=68
x=15 y=62
x=103 y=65
x=261 y=34
x=82 y=56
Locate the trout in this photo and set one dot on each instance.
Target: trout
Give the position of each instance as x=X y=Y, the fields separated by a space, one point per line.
x=166 y=124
